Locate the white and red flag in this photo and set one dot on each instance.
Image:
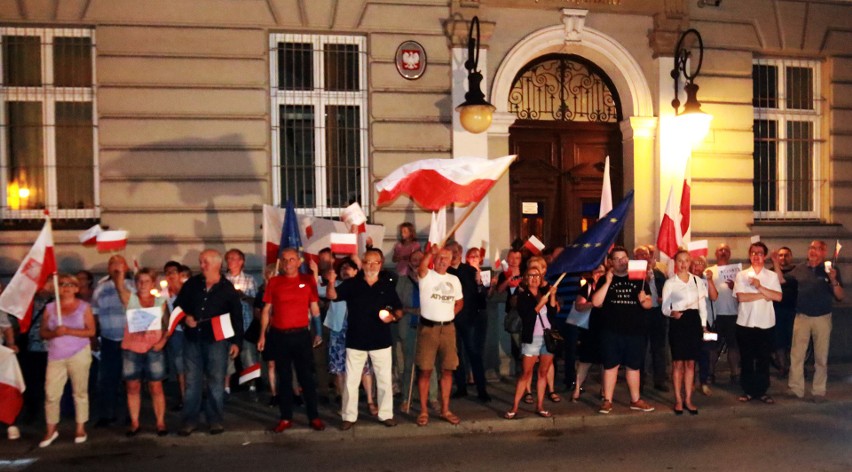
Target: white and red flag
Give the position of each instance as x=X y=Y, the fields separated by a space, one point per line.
x=437 y=183
x=697 y=248
x=686 y=204
x=250 y=373
x=534 y=245
x=33 y=273
x=307 y=223
x=222 y=327
x=837 y=248
x=115 y=240
x=606 y=192
x=637 y=270
x=344 y=243
x=175 y=317
x=90 y=236
x=11 y=386
x=669 y=239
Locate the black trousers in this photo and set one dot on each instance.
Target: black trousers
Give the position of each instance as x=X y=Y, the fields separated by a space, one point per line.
x=658 y=327
x=756 y=347
x=291 y=350
x=470 y=343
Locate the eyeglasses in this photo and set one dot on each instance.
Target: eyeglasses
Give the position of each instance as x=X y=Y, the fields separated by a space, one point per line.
x=756 y=253
x=68 y=284
x=533 y=276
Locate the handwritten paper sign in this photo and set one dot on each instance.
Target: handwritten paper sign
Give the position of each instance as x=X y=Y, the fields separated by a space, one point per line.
x=144 y=319
x=729 y=272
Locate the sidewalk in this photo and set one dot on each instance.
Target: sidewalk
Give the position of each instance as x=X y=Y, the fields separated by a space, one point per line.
x=250 y=422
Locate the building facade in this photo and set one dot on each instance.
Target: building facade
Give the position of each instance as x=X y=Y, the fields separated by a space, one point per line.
x=176 y=120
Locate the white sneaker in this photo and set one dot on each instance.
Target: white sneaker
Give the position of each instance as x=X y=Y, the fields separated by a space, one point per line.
x=49 y=441
x=13 y=433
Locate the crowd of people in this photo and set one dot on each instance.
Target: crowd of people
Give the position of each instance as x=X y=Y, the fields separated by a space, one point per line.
x=418 y=319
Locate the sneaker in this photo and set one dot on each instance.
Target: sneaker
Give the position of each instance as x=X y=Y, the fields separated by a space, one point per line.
x=317 y=424
x=641 y=405
x=606 y=407
x=282 y=426
x=13 y=433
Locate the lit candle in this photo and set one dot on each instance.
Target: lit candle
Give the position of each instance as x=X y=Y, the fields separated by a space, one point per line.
x=385 y=315
x=828 y=266
x=155 y=292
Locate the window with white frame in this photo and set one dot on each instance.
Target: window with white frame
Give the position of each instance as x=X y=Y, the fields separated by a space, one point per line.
x=787 y=138
x=48 y=152
x=319 y=121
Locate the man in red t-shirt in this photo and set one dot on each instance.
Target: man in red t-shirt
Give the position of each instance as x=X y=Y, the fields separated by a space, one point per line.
x=293 y=301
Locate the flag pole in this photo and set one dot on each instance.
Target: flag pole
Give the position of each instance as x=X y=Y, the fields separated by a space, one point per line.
x=58 y=304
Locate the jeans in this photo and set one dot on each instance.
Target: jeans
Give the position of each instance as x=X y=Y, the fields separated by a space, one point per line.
x=470 y=341
x=292 y=351
x=205 y=360
x=109 y=378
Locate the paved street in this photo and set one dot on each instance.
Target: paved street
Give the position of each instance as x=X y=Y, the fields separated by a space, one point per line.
x=726 y=435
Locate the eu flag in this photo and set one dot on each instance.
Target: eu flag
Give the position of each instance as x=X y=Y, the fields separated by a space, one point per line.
x=589 y=250
x=290 y=230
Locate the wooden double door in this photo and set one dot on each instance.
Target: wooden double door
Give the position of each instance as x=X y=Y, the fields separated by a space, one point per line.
x=556 y=182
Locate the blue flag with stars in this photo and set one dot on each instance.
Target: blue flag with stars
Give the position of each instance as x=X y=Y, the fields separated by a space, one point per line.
x=290 y=230
x=589 y=250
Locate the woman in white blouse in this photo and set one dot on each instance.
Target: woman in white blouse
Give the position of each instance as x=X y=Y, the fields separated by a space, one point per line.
x=684 y=301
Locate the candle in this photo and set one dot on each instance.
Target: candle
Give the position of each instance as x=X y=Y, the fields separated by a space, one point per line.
x=155 y=292
x=828 y=266
x=385 y=315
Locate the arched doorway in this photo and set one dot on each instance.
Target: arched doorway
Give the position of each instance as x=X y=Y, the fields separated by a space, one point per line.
x=568 y=113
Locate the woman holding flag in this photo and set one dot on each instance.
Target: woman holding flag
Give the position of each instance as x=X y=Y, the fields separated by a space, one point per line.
x=142 y=353
x=67 y=326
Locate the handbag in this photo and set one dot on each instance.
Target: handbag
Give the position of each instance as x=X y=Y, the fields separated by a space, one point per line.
x=552 y=339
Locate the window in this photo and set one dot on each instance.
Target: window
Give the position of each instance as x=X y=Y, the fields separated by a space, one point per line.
x=787 y=140
x=319 y=121
x=48 y=155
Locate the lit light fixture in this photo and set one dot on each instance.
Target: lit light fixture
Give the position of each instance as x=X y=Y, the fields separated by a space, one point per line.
x=692 y=120
x=475 y=113
x=24 y=192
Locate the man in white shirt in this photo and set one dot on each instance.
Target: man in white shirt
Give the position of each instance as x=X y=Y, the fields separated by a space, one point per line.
x=756 y=288
x=440 y=301
x=725 y=316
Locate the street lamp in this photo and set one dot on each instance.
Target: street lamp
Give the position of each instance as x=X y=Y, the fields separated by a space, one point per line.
x=692 y=120
x=475 y=113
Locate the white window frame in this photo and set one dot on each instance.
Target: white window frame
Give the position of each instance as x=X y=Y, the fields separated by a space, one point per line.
x=318 y=98
x=782 y=115
x=48 y=94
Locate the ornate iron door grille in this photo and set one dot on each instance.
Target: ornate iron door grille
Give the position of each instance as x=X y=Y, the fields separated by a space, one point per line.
x=564 y=87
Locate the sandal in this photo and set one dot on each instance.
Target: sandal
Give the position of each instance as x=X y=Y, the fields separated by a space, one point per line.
x=510 y=415
x=423 y=419
x=374 y=409
x=554 y=397
x=544 y=413
x=745 y=398
x=451 y=418
x=767 y=399
x=528 y=398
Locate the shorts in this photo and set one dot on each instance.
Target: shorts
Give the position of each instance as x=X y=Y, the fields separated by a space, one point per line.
x=434 y=341
x=622 y=349
x=535 y=348
x=150 y=366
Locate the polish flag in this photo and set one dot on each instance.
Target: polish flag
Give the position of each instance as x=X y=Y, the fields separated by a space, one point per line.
x=250 y=373
x=669 y=237
x=755 y=239
x=697 y=248
x=498 y=264
x=534 y=245
x=606 y=192
x=90 y=236
x=344 y=243
x=222 y=327
x=175 y=317
x=686 y=204
x=307 y=225
x=637 y=270
x=112 y=240
x=436 y=183
x=837 y=248
x=437 y=229
x=11 y=386
x=37 y=267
